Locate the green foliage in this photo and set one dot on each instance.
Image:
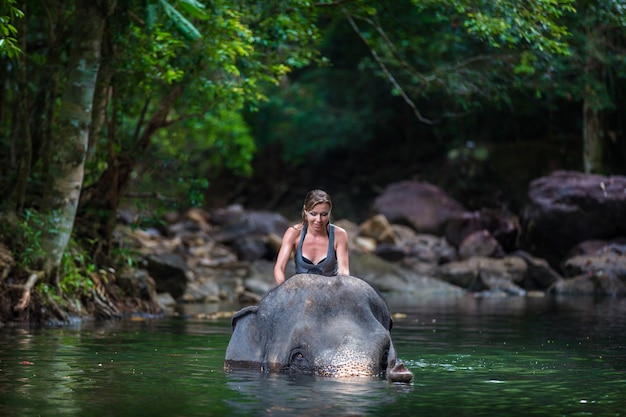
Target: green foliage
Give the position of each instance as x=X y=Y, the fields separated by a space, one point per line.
x=24 y=236
x=8 y=42
x=185 y=159
x=308 y=120
x=76 y=272
x=185 y=26
x=154 y=56
x=513 y=23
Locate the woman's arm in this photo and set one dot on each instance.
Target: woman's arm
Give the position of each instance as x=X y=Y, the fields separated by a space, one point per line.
x=341 y=249
x=287 y=246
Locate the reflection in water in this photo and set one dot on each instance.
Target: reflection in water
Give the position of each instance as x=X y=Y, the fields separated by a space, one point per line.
x=302 y=395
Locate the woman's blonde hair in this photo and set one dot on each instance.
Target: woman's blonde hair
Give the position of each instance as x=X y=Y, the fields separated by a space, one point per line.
x=313 y=198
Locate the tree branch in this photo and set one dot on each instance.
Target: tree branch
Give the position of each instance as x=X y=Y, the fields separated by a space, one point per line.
x=386 y=71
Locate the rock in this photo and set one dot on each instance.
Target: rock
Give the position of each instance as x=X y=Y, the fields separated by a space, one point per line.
x=260 y=278
x=166 y=300
x=252 y=223
x=250 y=235
x=201 y=291
x=596 y=246
x=539 y=274
x=389 y=252
x=480 y=243
x=136 y=283
x=366 y=244
x=567 y=208
x=479 y=273
x=500 y=223
x=388 y=277
x=252 y=247
x=494 y=282
x=589 y=285
x=139 y=286
x=424 y=247
x=225 y=216
x=170 y=272
x=378 y=228
x=608 y=263
x=424 y=207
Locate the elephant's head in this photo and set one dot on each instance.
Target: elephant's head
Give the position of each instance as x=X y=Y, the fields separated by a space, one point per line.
x=317 y=325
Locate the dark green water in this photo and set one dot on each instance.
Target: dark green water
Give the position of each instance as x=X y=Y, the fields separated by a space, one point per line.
x=470 y=357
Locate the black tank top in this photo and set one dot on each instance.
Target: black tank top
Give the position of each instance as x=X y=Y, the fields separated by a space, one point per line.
x=327 y=266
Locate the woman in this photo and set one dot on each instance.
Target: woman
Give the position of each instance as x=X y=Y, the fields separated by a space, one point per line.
x=319 y=246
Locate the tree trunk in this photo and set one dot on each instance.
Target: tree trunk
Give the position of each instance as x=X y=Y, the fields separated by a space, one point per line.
x=592 y=139
x=69 y=144
x=100 y=201
x=592 y=105
x=18 y=194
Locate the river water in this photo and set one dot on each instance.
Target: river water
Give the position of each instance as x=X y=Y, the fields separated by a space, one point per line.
x=470 y=357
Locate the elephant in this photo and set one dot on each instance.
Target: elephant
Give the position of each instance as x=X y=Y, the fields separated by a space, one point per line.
x=316 y=325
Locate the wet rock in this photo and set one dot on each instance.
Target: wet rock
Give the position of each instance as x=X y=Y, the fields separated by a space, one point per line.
x=609 y=263
x=567 y=208
x=539 y=274
x=589 y=285
x=494 y=282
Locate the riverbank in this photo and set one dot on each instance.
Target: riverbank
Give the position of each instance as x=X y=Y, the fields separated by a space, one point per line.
x=419 y=242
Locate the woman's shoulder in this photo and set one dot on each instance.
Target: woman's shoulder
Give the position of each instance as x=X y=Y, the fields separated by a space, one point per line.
x=339 y=230
x=294 y=230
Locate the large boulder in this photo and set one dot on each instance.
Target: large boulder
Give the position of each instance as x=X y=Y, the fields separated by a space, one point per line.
x=428 y=209
x=500 y=224
x=252 y=234
x=479 y=274
x=170 y=273
x=568 y=207
x=424 y=207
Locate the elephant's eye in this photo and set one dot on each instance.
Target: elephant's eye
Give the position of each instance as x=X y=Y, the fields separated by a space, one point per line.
x=298 y=360
x=296 y=356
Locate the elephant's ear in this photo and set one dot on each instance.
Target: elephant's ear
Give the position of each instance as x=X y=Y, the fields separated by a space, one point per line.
x=244 y=348
x=242 y=313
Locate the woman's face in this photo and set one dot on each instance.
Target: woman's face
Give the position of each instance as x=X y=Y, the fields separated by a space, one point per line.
x=318 y=216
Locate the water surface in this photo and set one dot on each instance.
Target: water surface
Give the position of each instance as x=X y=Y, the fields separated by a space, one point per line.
x=470 y=357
